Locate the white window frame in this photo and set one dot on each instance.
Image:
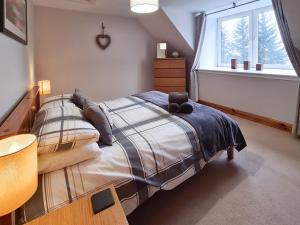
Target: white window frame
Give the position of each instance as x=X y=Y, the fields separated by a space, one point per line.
x=253 y=38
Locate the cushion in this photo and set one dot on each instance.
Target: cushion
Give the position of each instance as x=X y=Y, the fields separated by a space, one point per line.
x=78 y=98
x=107 y=114
x=58 y=160
x=57 y=101
x=96 y=116
x=178 y=97
x=62 y=128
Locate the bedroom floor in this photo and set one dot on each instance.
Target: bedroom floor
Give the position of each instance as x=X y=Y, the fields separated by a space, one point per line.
x=261 y=186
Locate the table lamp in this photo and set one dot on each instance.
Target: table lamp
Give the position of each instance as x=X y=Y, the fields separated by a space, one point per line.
x=18 y=171
x=45 y=87
x=161 y=50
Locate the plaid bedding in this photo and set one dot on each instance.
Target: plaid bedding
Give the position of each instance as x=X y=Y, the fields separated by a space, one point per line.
x=152 y=150
x=58 y=101
x=62 y=128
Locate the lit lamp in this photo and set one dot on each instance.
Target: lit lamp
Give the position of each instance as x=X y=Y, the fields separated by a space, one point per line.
x=144 y=6
x=18 y=171
x=45 y=87
x=161 y=50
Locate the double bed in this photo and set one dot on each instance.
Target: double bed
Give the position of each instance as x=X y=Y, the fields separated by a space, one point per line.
x=152 y=150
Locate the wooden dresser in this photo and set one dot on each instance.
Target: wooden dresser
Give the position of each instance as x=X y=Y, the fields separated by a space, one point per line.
x=170 y=75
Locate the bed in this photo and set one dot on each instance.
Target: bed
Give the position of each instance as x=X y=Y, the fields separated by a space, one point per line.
x=152 y=150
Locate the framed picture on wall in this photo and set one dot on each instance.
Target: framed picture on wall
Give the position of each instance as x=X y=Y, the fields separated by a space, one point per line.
x=13 y=21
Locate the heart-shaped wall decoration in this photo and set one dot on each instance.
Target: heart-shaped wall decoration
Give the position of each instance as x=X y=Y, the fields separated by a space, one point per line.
x=103 y=41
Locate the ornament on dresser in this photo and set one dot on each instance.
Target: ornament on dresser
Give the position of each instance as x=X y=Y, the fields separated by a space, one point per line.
x=233 y=64
x=103 y=40
x=246 y=65
x=259 y=67
x=161 y=51
x=175 y=54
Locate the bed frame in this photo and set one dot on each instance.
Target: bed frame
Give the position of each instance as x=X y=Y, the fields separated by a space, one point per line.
x=20 y=120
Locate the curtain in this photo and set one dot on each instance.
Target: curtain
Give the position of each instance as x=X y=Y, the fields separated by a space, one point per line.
x=199 y=37
x=292 y=51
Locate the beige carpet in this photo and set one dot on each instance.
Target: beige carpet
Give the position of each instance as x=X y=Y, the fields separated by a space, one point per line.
x=261 y=186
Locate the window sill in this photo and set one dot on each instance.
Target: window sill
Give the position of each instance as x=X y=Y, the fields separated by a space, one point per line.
x=266 y=73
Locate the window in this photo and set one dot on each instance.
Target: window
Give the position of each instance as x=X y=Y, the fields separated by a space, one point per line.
x=253 y=36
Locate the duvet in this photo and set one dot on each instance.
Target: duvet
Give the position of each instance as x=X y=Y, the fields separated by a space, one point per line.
x=152 y=150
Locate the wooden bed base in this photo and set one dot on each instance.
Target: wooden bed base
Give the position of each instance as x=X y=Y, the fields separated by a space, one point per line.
x=20 y=120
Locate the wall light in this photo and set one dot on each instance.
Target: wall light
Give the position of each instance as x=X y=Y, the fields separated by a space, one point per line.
x=144 y=6
x=45 y=87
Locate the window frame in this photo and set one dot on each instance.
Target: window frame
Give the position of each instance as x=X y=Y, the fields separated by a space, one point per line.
x=253 y=38
x=219 y=38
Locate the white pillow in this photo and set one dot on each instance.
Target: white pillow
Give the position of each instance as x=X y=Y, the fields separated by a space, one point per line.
x=58 y=101
x=58 y=160
x=62 y=128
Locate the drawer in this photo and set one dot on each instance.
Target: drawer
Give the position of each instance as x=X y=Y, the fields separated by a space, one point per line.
x=171 y=89
x=169 y=63
x=169 y=73
x=169 y=82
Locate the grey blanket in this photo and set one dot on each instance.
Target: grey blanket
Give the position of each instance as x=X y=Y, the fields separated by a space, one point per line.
x=216 y=130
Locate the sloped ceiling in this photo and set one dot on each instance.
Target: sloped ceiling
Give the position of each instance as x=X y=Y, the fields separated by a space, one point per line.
x=193 y=6
x=121 y=7
x=162 y=29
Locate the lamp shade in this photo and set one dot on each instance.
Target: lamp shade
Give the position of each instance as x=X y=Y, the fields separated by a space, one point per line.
x=45 y=87
x=18 y=171
x=163 y=46
x=144 y=6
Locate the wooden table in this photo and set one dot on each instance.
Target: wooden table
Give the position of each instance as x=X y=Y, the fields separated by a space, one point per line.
x=80 y=212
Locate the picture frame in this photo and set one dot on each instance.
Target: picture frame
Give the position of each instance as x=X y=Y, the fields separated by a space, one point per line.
x=13 y=19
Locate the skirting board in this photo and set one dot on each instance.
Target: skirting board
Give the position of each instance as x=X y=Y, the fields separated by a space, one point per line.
x=250 y=116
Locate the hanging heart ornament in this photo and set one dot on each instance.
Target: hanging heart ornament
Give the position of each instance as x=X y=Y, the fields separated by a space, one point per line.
x=103 y=40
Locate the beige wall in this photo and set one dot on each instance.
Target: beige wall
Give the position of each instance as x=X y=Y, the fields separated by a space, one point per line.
x=16 y=68
x=66 y=53
x=272 y=98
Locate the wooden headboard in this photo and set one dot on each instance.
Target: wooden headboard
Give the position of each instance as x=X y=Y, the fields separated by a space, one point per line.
x=20 y=120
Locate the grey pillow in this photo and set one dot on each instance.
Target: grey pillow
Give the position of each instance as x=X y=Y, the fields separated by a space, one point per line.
x=78 y=98
x=97 y=118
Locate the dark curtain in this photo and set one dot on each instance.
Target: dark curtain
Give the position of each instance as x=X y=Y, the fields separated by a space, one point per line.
x=200 y=24
x=292 y=51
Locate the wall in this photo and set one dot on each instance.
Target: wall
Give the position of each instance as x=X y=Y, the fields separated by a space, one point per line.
x=16 y=63
x=272 y=98
x=66 y=53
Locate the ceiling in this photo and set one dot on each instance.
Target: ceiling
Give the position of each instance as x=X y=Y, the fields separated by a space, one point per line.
x=196 y=5
x=107 y=7
x=121 y=7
